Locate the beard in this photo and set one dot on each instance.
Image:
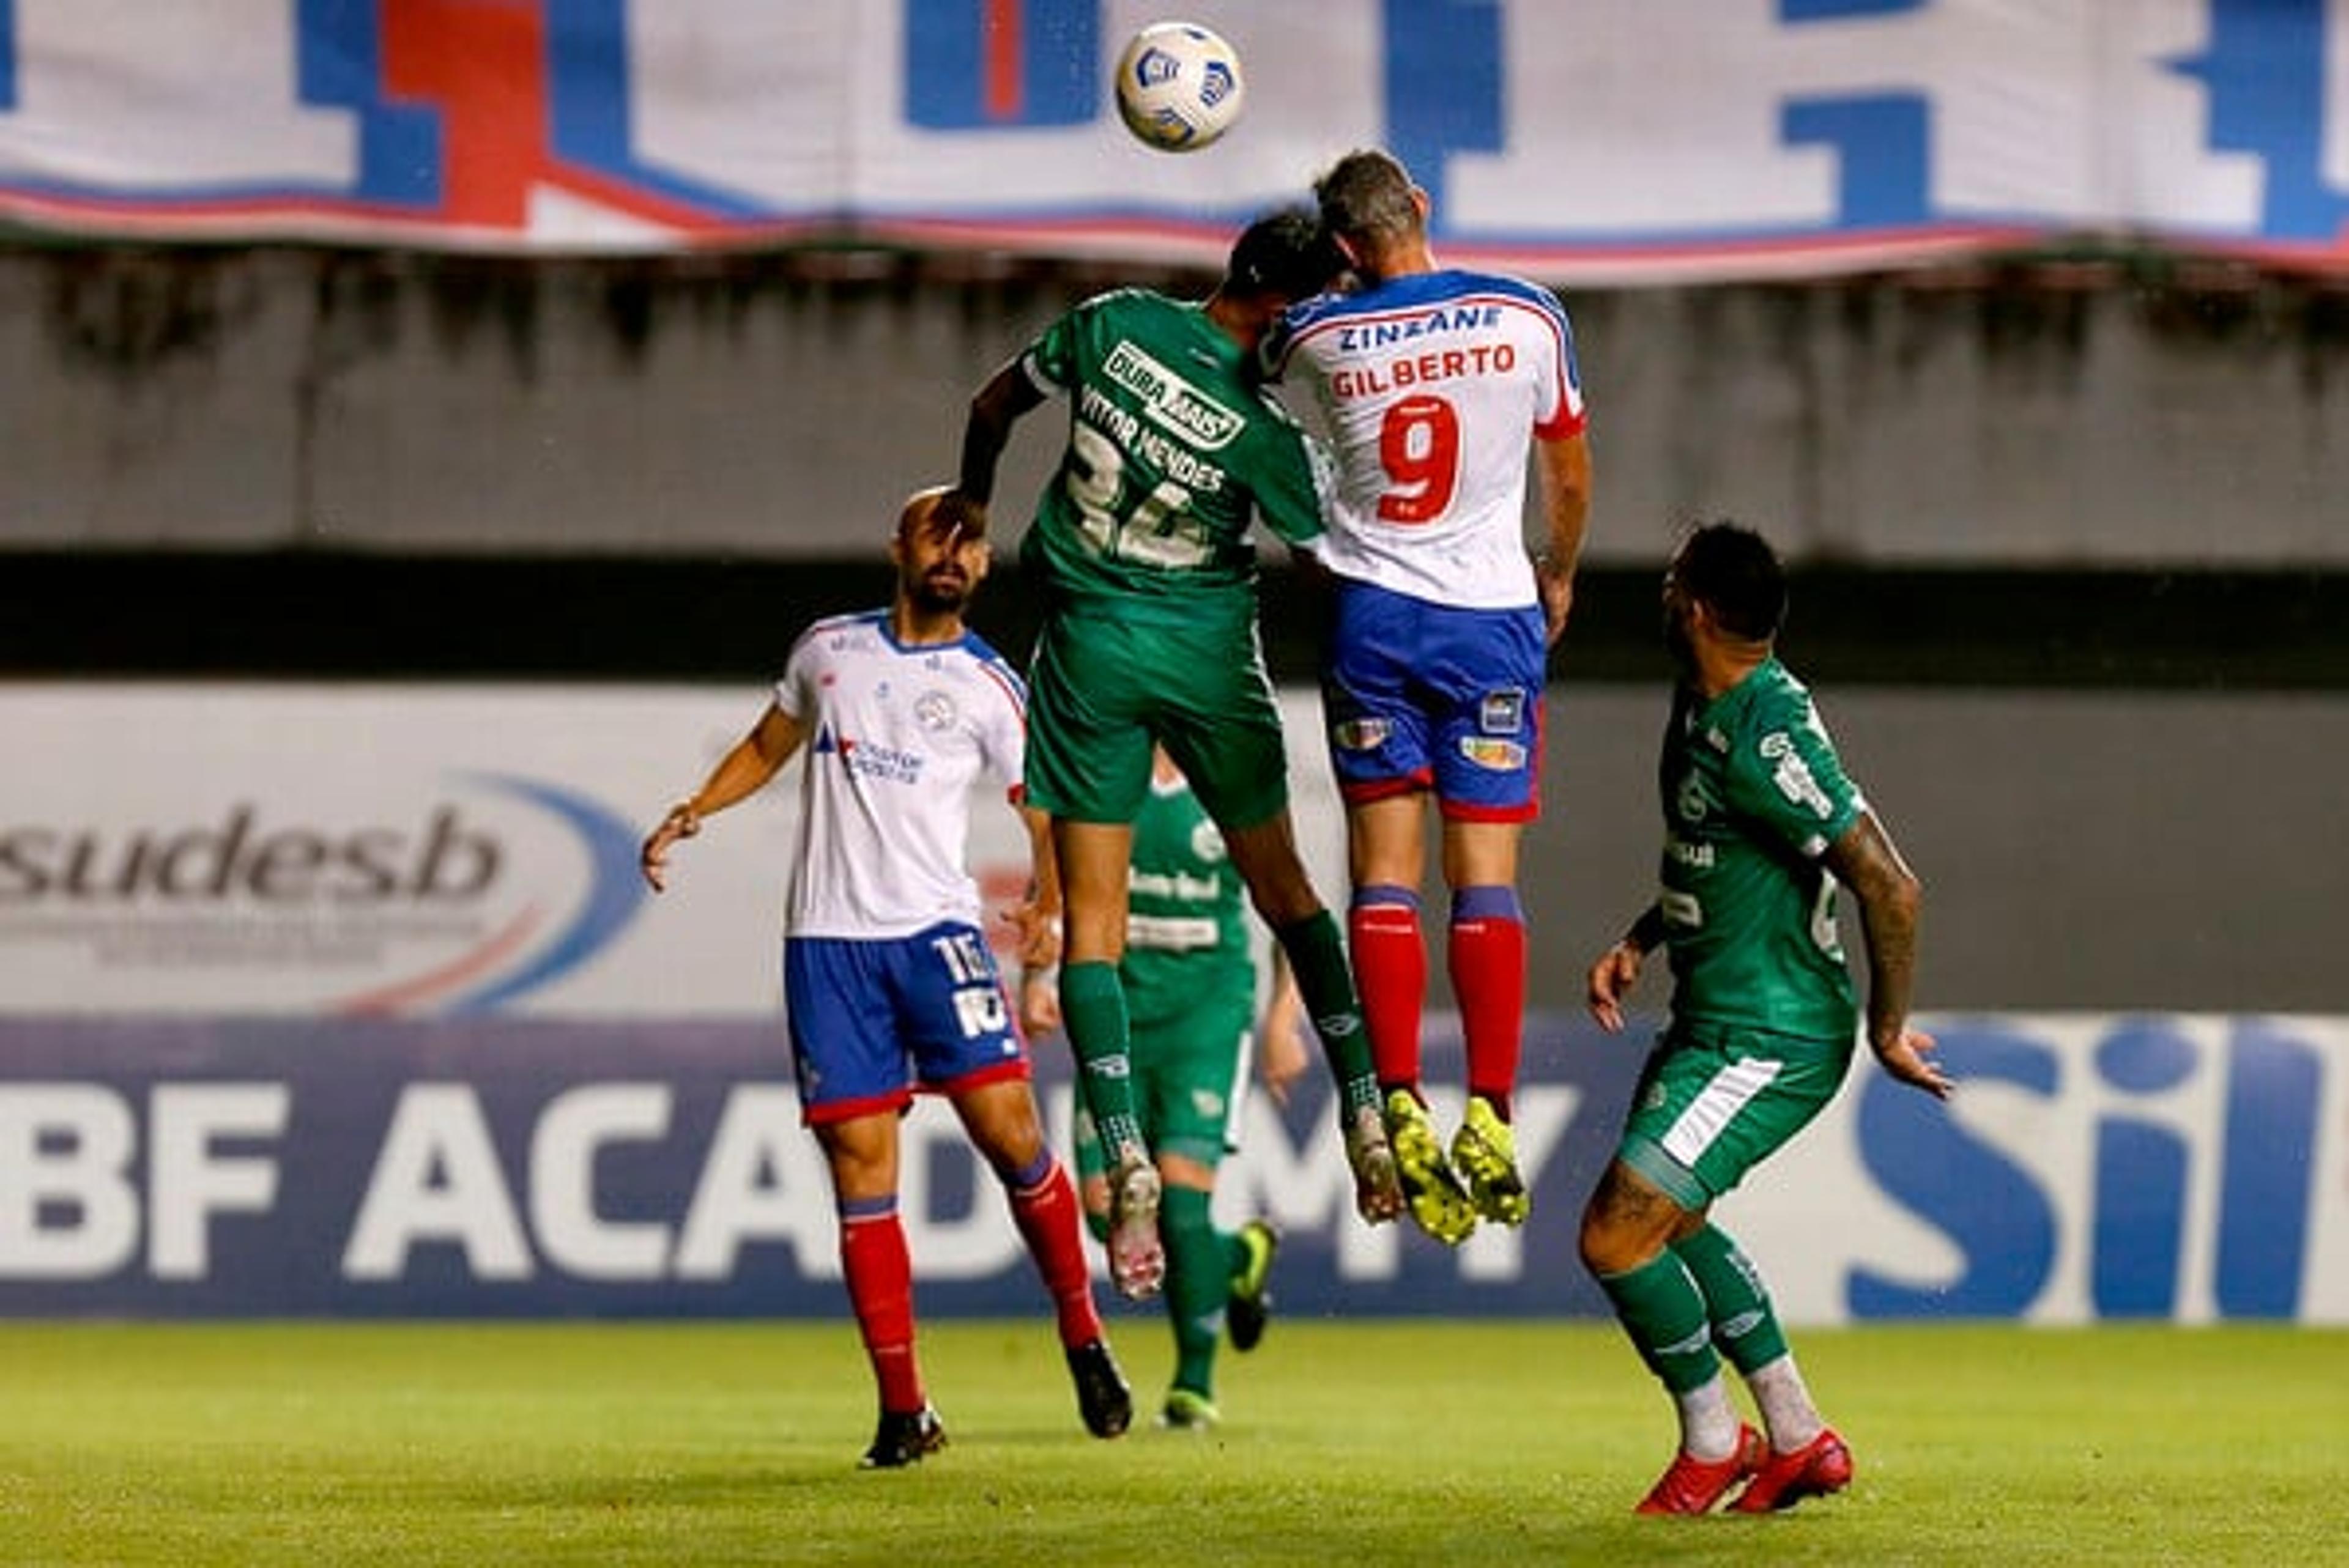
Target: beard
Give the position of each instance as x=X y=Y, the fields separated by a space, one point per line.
x=1678 y=644
x=939 y=592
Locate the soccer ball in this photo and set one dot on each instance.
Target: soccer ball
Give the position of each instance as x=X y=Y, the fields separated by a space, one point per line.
x=1178 y=87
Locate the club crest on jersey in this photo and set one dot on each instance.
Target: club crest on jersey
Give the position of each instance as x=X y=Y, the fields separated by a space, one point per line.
x=1360 y=734
x=1690 y=800
x=1207 y=842
x=1502 y=712
x=935 y=711
x=1170 y=401
x=1492 y=753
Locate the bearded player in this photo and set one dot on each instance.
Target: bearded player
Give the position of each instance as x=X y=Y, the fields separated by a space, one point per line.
x=888 y=980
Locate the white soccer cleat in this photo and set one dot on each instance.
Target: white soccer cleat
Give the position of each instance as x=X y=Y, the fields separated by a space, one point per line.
x=1137 y=1259
x=1378 y=1182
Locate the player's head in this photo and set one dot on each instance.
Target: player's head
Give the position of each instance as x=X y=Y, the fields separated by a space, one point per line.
x=1371 y=207
x=1281 y=258
x=940 y=551
x=1730 y=573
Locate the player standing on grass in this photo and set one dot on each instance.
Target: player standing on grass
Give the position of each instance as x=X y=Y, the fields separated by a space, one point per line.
x=1190 y=985
x=1141 y=549
x=1434 y=384
x=1761 y=824
x=887 y=977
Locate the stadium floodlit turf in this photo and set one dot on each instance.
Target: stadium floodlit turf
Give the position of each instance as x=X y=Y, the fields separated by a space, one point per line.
x=1473 y=1443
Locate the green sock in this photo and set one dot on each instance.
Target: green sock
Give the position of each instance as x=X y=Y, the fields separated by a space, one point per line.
x=1743 y=1326
x=1663 y=1312
x=1198 y=1281
x=1092 y=1007
x=1316 y=955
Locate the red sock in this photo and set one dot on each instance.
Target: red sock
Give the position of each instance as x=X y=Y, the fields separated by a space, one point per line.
x=1391 y=973
x=1486 y=961
x=880 y=1276
x=1045 y=1207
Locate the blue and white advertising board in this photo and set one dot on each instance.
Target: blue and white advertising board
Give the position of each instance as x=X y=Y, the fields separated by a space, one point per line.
x=349 y=1000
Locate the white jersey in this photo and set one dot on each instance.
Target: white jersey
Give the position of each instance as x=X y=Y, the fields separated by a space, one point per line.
x=1433 y=386
x=896 y=737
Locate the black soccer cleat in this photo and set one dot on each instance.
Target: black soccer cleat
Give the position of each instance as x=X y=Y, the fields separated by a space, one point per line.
x=904 y=1438
x=1249 y=1305
x=1103 y=1397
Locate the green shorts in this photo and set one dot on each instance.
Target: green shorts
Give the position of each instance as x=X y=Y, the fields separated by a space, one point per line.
x=1187 y=1074
x=1714 y=1101
x=1101 y=687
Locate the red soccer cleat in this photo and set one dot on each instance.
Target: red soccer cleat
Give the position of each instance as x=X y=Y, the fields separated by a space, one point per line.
x=1820 y=1466
x=1692 y=1485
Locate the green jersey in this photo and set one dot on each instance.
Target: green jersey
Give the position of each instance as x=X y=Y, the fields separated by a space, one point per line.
x=1186 y=941
x=1752 y=796
x=1172 y=448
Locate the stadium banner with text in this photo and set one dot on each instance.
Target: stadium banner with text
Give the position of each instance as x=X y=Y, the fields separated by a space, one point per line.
x=2091 y=1168
x=1583 y=140
x=379 y=850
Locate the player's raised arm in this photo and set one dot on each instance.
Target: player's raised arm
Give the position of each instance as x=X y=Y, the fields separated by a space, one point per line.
x=742 y=772
x=995 y=408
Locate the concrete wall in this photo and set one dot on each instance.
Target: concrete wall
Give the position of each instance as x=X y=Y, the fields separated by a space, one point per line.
x=2082 y=850
x=2079 y=849
x=764 y=406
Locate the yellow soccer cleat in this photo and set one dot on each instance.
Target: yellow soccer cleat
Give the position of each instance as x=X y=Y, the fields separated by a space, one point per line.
x=1484 y=1151
x=1429 y=1188
x=1188 y=1410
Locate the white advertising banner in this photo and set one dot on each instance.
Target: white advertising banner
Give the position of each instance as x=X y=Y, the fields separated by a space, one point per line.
x=388 y=850
x=1581 y=140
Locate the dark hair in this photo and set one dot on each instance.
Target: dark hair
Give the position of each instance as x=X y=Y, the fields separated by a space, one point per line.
x=1366 y=196
x=1732 y=571
x=1286 y=254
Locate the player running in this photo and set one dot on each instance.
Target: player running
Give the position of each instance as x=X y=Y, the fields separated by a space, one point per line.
x=887 y=977
x=1761 y=823
x=1433 y=382
x=1141 y=548
x=1190 y=982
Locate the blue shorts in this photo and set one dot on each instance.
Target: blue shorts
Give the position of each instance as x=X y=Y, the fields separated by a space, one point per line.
x=871 y=1019
x=1432 y=697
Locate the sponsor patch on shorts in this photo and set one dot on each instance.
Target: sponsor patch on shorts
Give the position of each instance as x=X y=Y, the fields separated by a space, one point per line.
x=1498 y=756
x=1361 y=734
x=1502 y=712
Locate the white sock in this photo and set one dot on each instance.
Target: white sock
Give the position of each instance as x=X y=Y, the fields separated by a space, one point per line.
x=1708 y=1420
x=1786 y=1403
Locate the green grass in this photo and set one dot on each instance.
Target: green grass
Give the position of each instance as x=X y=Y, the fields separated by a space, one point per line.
x=1409 y=1443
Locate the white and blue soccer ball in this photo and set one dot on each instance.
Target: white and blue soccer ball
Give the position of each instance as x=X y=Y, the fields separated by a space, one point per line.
x=1178 y=87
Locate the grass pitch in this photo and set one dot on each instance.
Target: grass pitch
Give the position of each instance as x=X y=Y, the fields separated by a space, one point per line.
x=1485 y=1444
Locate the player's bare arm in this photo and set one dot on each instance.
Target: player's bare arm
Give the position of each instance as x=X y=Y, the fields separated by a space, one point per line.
x=995 y=408
x=1564 y=466
x=1037 y=918
x=742 y=772
x=1890 y=897
x=1617 y=970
